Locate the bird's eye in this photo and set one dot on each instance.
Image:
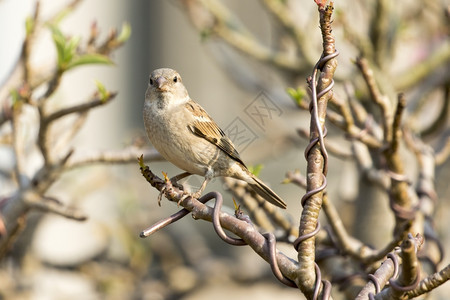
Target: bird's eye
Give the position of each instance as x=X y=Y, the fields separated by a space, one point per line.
x=175 y=79
x=151 y=81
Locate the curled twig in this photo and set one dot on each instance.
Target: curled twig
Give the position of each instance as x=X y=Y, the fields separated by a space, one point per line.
x=409 y=276
x=263 y=245
x=377 y=280
x=430 y=283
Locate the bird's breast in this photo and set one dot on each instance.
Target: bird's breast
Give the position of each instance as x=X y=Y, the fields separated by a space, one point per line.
x=168 y=132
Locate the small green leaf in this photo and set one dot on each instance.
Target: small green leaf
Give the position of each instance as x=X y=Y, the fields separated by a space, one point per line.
x=256 y=169
x=359 y=94
x=15 y=97
x=89 y=59
x=104 y=94
x=67 y=51
x=70 y=49
x=61 y=15
x=66 y=48
x=236 y=206
x=125 y=33
x=205 y=34
x=29 y=25
x=291 y=92
x=71 y=45
x=60 y=44
x=141 y=161
x=297 y=94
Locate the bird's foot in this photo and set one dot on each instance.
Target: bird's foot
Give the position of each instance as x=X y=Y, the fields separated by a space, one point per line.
x=161 y=193
x=182 y=198
x=195 y=195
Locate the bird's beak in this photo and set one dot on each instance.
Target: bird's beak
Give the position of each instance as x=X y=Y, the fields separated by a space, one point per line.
x=160 y=83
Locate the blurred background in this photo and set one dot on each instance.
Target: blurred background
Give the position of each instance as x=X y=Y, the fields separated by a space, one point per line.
x=103 y=257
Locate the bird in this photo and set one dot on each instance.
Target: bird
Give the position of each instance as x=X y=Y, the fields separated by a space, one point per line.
x=185 y=135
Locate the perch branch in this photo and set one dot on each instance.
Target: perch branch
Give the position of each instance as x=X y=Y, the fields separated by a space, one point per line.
x=246 y=231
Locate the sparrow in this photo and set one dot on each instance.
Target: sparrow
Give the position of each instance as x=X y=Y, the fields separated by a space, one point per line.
x=185 y=135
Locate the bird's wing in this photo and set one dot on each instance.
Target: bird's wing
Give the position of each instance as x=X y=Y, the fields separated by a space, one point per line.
x=204 y=126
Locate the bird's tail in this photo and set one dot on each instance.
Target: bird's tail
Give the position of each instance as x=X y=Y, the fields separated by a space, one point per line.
x=264 y=191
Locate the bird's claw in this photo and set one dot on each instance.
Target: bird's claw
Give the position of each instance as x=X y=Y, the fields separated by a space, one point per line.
x=195 y=195
x=160 y=195
x=186 y=195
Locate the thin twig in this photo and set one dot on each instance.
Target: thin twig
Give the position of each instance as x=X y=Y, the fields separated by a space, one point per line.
x=348 y=244
x=282 y=13
x=367 y=168
x=124 y=156
x=18 y=144
x=381 y=100
x=382 y=34
x=51 y=205
x=396 y=124
x=228 y=28
x=79 y=108
x=416 y=73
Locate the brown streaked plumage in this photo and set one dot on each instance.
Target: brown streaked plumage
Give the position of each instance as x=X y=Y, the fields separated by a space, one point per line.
x=206 y=128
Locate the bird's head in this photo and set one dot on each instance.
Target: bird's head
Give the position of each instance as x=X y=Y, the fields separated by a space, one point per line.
x=166 y=85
